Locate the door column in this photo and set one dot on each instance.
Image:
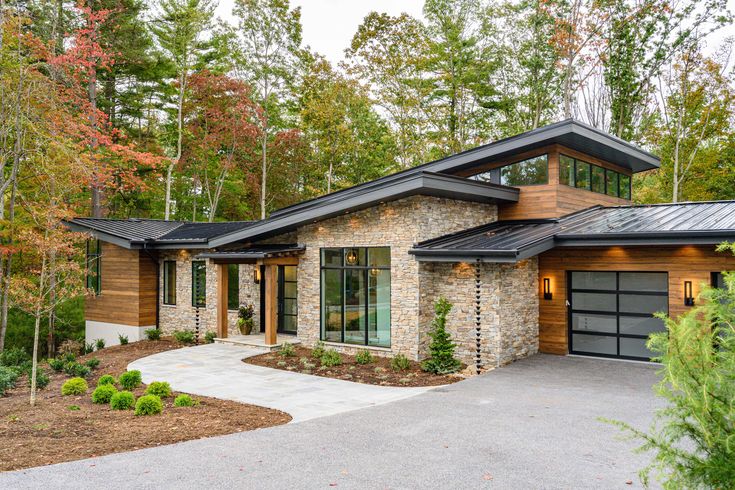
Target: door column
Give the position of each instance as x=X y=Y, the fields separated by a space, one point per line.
x=222 y=287
x=271 y=313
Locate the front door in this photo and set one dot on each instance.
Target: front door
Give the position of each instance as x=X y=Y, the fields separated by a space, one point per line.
x=611 y=313
x=287 y=300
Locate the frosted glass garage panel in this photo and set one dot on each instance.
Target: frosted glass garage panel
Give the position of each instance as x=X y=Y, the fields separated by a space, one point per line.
x=594 y=280
x=636 y=325
x=640 y=303
x=595 y=323
x=594 y=301
x=595 y=344
x=635 y=348
x=644 y=281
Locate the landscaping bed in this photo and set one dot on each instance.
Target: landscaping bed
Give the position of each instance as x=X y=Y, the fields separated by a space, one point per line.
x=379 y=371
x=52 y=432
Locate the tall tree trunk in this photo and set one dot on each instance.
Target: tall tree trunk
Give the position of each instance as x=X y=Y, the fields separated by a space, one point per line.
x=5 y=284
x=37 y=329
x=179 y=140
x=92 y=93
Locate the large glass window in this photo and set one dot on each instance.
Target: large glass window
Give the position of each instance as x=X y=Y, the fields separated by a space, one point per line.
x=566 y=170
x=583 y=175
x=355 y=295
x=94 y=266
x=169 y=282
x=233 y=286
x=532 y=171
x=598 y=179
x=624 y=186
x=199 y=283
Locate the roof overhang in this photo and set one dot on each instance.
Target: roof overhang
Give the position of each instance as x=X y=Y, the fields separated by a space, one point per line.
x=252 y=254
x=483 y=255
x=420 y=183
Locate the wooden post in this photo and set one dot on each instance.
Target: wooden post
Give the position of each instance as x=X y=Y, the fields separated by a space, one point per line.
x=271 y=290
x=222 y=288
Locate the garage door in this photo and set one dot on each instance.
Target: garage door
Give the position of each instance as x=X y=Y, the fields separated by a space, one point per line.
x=611 y=313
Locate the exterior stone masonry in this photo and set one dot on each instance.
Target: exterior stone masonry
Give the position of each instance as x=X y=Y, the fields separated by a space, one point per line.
x=399 y=225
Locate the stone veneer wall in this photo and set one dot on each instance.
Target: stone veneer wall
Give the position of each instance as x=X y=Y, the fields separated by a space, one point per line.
x=399 y=225
x=182 y=315
x=508 y=309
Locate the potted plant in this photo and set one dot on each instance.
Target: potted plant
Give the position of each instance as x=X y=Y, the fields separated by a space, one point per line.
x=245 y=320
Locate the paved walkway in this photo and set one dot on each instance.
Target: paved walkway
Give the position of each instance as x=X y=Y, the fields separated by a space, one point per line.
x=531 y=425
x=217 y=370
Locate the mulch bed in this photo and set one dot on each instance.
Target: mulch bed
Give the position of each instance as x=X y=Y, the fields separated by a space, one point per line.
x=51 y=433
x=378 y=372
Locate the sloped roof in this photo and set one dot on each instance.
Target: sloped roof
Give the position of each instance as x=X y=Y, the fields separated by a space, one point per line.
x=658 y=224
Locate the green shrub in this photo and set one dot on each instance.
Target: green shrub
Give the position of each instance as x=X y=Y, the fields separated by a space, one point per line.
x=331 y=358
x=74 y=408
x=106 y=379
x=184 y=336
x=68 y=357
x=441 y=350
x=8 y=377
x=15 y=356
x=184 y=400
x=159 y=388
x=130 y=380
x=400 y=363
x=42 y=379
x=88 y=348
x=318 y=351
x=56 y=364
x=364 y=357
x=74 y=386
x=209 y=337
x=99 y=344
x=153 y=334
x=122 y=400
x=103 y=394
x=148 y=405
x=76 y=370
x=92 y=363
x=287 y=350
x=692 y=434
x=123 y=339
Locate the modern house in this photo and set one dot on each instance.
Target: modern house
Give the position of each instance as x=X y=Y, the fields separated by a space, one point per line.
x=533 y=238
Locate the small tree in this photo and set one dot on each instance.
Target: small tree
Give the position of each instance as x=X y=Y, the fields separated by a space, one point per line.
x=694 y=435
x=441 y=349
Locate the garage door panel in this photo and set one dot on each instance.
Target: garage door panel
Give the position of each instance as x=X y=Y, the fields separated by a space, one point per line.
x=594 y=301
x=644 y=281
x=647 y=304
x=593 y=322
x=594 y=280
x=637 y=325
x=634 y=348
x=595 y=344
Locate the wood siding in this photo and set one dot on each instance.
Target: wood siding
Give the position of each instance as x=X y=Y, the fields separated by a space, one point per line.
x=551 y=200
x=686 y=263
x=128 y=292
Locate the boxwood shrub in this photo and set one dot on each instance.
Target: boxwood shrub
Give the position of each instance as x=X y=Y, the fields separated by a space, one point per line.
x=106 y=379
x=103 y=394
x=331 y=358
x=74 y=386
x=148 y=405
x=130 y=380
x=122 y=400
x=159 y=388
x=184 y=400
x=153 y=334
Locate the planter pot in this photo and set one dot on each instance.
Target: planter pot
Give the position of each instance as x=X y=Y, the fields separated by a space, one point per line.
x=246 y=327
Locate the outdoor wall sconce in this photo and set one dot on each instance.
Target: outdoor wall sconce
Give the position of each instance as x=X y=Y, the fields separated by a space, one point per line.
x=688 y=296
x=547 y=288
x=256 y=275
x=351 y=257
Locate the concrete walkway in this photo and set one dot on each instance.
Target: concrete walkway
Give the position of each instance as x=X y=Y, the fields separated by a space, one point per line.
x=217 y=370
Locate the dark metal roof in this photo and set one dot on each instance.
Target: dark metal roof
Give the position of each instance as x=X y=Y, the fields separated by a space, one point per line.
x=255 y=252
x=204 y=231
x=658 y=224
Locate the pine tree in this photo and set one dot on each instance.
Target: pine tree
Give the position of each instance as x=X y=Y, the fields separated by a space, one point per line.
x=441 y=349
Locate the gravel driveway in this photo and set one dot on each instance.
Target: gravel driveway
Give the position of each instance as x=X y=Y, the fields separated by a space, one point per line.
x=532 y=424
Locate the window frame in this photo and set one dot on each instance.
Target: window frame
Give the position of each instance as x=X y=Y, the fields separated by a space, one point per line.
x=343 y=267
x=166 y=280
x=230 y=282
x=495 y=175
x=95 y=257
x=194 y=274
x=621 y=176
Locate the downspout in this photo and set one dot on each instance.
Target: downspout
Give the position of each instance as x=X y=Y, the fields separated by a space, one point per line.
x=158 y=281
x=478 y=316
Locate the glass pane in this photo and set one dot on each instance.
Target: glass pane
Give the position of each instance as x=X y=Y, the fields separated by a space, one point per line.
x=612 y=183
x=644 y=281
x=595 y=344
x=233 y=286
x=379 y=256
x=624 y=186
x=332 y=305
x=636 y=303
x=636 y=325
x=719 y=280
x=198 y=283
x=582 y=179
x=594 y=280
x=594 y=323
x=489 y=176
x=289 y=289
x=169 y=282
x=566 y=170
x=379 y=308
x=355 y=306
x=635 y=348
x=594 y=301
x=528 y=172
x=289 y=306
x=332 y=257
x=355 y=257
x=290 y=324
x=598 y=179
x=289 y=272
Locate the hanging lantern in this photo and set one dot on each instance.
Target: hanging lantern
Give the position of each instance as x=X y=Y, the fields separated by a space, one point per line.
x=351 y=257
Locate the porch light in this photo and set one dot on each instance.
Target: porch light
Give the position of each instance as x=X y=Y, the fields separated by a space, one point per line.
x=547 y=288
x=256 y=275
x=688 y=296
x=351 y=257
x=374 y=272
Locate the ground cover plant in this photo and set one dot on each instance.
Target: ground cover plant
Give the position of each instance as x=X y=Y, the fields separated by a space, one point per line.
x=65 y=428
x=332 y=364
